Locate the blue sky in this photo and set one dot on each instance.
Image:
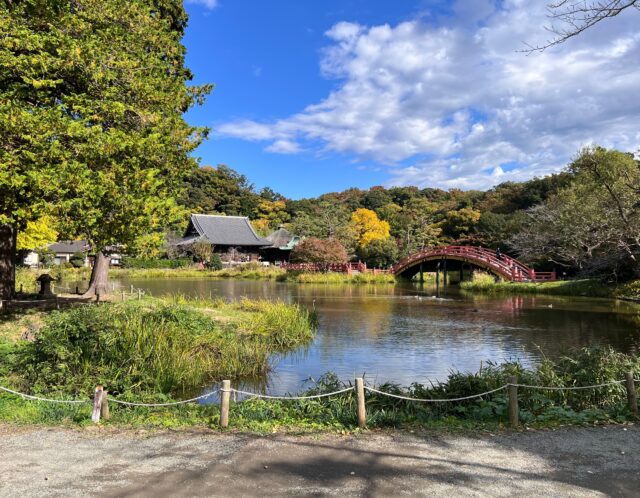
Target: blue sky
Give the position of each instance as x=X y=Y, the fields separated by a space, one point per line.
x=313 y=97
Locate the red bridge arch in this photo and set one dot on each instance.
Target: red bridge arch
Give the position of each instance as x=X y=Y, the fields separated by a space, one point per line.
x=506 y=267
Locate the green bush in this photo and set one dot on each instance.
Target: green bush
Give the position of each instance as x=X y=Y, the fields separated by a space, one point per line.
x=215 y=263
x=77 y=259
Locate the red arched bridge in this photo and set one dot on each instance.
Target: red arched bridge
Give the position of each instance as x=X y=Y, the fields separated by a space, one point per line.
x=449 y=258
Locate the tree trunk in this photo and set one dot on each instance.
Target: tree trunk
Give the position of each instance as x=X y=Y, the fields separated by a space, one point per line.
x=99 y=276
x=8 y=235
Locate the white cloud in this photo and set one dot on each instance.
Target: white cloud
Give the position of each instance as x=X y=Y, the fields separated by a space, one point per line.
x=283 y=147
x=457 y=102
x=208 y=4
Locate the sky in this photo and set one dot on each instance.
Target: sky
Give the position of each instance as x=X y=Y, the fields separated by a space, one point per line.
x=320 y=96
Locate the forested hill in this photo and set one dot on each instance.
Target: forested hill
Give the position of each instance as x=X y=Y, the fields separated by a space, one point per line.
x=416 y=217
x=585 y=219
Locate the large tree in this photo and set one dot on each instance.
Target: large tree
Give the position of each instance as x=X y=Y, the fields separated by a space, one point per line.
x=92 y=96
x=594 y=223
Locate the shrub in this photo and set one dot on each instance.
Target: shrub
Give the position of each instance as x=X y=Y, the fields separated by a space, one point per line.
x=77 y=260
x=215 y=263
x=324 y=251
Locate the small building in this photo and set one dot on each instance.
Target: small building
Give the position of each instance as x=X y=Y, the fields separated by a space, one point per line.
x=31 y=259
x=65 y=249
x=282 y=243
x=232 y=237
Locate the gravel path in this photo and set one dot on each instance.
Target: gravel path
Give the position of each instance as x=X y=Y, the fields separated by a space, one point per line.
x=601 y=461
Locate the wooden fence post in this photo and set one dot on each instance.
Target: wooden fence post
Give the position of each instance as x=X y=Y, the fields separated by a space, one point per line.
x=362 y=413
x=224 y=403
x=132 y=289
x=631 y=393
x=514 y=414
x=104 y=406
x=97 y=403
x=139 y=294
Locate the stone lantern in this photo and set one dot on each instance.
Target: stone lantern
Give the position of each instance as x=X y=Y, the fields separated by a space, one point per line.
x=45 y=285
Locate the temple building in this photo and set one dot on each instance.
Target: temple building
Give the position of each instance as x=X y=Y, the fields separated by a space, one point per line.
x=233 y=237
x=282 y=243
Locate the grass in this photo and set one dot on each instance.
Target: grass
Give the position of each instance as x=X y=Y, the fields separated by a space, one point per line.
x=248 y=272
x=338 y=414
x=485 y=283
x=152 y=346
x=338 y=278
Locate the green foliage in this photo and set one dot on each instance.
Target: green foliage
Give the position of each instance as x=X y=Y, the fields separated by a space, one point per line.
x=219 y=190
x=593 y=224
x=381 y=253
x=630 y=290
x=77 y=259
x=46 y=256
x=486 y=283
x=92 y=95
x=215 y=263
x=540 y=408
x=138 y=263
x=156 y=347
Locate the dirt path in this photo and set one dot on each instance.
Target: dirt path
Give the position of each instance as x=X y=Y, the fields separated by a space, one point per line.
x=567 y=462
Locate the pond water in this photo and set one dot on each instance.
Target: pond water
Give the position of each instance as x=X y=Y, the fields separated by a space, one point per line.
x=403 y=334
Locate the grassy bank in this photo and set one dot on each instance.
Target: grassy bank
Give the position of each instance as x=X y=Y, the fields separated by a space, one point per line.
x=27 y=277
x=537 y=408
x=486 y=283
x=338 y=278
x=149 y=347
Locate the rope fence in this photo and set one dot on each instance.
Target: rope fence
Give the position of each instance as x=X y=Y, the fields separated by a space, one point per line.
x=101 y=400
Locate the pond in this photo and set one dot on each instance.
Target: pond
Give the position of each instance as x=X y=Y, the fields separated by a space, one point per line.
x=403 y=334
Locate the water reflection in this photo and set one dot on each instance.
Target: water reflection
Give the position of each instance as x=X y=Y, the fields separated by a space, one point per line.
x=404 y=334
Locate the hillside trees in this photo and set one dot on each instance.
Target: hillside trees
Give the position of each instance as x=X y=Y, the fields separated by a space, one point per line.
x=93 y=93
x=593 y=224
x=219 y=190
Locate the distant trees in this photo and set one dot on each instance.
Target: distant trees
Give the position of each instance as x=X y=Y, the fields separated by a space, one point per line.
x=219 y=190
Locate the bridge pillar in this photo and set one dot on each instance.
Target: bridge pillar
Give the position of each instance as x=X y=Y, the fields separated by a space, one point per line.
x=438 y=279
x=421 y=273
x=444 y=273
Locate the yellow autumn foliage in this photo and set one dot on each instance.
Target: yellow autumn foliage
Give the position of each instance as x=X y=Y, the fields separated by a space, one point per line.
x=38 y=234
x=367 y=227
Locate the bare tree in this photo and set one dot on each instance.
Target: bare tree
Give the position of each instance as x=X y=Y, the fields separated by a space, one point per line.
x=571 y=17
